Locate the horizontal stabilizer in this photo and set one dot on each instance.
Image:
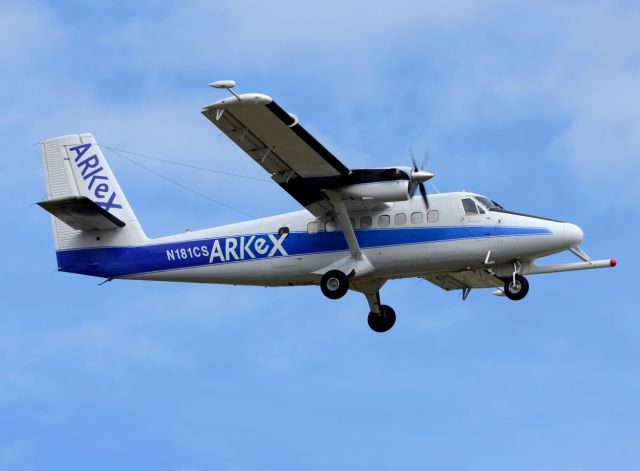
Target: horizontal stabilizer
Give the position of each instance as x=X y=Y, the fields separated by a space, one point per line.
x=79 y=212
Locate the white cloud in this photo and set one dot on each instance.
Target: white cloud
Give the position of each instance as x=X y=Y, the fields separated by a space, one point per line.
x=23 y=26
x=596 y=81
x=254 y=34
x=379 y=76
x=576 y=66
x=365 y=80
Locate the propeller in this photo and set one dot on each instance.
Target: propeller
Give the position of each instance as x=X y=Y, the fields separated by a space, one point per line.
x=418 y=177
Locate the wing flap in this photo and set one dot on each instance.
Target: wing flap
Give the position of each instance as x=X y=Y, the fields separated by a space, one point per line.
x=81 y=213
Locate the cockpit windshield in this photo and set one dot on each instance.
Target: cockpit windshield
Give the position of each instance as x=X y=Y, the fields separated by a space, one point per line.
x=489 y=204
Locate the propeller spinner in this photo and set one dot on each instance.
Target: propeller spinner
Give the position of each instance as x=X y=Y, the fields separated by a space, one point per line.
x=418 y=177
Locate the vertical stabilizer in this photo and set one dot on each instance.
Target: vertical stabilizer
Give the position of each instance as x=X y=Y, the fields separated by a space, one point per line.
x=75 y=168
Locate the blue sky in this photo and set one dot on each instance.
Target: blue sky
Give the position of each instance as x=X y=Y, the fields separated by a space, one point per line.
x=537 y=106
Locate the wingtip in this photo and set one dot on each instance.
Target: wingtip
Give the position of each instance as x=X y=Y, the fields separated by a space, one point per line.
x=245 y=99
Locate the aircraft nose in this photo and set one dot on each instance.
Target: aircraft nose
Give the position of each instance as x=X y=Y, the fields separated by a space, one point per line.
x=573 y=235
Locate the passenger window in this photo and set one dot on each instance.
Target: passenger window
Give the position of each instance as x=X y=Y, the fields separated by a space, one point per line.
x=365 y=222
x=469 y=206
x=384 y=220
x=416 y=218
x=330 y=226
x=433 y=215
x=400 y=219
x=353 y=222
x=312 y=228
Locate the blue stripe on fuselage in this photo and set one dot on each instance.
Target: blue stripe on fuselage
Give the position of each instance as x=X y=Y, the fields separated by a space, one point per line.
x=118 y=261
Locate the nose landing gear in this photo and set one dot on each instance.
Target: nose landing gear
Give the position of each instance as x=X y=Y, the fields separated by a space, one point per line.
x=516 y=286
x=382 y=321
x=516 y=289
x=382 y=317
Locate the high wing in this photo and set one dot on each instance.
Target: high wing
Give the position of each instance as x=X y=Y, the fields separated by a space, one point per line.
x=302 y=166
x=306 y=170
x=276 y=141
x=296 y=161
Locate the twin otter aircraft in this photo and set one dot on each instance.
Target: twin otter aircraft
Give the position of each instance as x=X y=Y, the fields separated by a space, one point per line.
x=359 y=228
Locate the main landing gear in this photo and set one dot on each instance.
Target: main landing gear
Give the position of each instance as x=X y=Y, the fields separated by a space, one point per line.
x=335 y=284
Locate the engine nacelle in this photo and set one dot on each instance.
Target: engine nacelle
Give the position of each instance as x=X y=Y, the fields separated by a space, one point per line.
x=387 y=191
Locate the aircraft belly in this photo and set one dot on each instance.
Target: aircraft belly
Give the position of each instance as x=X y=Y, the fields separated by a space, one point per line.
x=418 y=258
x=246 y=273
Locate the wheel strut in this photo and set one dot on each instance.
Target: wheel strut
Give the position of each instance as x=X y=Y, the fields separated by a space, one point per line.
x=381 y=317
x=517 y=266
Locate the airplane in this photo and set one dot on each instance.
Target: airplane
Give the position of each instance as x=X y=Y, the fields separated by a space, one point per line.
x=359 y=227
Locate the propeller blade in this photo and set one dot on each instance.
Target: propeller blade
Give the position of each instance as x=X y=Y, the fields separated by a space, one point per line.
x=423 y=193
x=419 y=176
x=426 y=158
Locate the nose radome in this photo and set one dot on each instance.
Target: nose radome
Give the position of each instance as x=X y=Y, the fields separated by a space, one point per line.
x=573 y=235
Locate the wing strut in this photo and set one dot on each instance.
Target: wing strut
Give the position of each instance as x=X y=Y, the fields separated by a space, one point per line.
x=342 y=215
x=357 y=263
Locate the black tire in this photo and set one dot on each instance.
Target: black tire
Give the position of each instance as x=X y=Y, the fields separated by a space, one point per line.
x=334 y=284
x=519 y=290
x=383 y=321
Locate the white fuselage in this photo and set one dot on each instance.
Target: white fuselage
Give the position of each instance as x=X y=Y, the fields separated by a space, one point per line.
x=400 y=240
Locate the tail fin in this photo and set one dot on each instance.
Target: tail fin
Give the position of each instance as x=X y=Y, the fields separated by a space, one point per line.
x=88 y=205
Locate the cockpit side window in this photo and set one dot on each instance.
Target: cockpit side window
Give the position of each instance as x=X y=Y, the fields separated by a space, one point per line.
x=485 y=201
x=489 y=204
x=469 y=206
